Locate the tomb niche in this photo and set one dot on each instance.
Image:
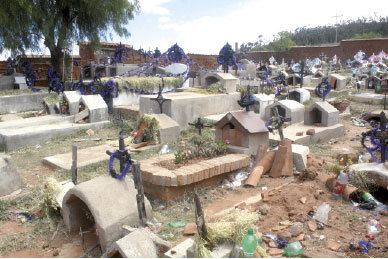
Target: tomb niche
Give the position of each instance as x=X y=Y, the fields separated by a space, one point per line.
x=322 y=114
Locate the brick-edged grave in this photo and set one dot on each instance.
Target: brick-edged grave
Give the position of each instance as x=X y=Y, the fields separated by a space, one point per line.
x=168 y=184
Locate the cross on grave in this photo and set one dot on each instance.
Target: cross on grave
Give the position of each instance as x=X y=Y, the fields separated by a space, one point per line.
x=246 y=100
x=323 y=89
x=382 y=135
x=302 y=73
x=277 y=121
x=199 y=125
x=160 y=99
x=122 y=155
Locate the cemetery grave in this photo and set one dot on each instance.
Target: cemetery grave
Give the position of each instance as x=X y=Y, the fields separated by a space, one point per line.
x=144 y=164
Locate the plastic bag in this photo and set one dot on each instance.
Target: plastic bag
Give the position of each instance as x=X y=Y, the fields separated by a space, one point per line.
x=322 y=213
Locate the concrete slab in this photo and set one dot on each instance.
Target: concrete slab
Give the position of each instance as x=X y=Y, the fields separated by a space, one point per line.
x=34 y=121
x=9 y=178
x=214 y=118
x=180 y=250
x=65 y=187
x=369 y=97
x=169 y=129
x=98 y=109
x=22 y=102
x=322 y=134
x=111 y=203
x=72 y=98
x=6 y=82
x=186 y=107
x=15 y=138
x=85 y=157
x=300 y=153
x=379 y=172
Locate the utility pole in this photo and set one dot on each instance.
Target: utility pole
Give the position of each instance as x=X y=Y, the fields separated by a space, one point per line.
x=336 y=25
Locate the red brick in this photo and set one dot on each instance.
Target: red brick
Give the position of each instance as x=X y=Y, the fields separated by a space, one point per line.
x=181 y=176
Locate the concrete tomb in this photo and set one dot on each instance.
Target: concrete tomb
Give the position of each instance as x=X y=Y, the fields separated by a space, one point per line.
x=72 y=98
x=20 y=83
x=9 y=178
x=169 y=129
x=245 y=131
x=300 y=95
x=288 y=109
x=322 y=114
x=103 y=203
x=262 y=101
x=98 y=109
x=337 y=82
x=228 y=81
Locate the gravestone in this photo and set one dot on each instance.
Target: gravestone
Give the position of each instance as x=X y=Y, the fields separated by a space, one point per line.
x=9 y=178
x=98 y=110
x=300 y=95
x=169 y=129
x=288 y=109
x=321 y=113
x=72 y=98
x=20 y=83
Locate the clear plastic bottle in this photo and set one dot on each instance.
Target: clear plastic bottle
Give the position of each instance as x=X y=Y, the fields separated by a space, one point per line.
x=293 y=250
x=340 y=185
x=249 y=244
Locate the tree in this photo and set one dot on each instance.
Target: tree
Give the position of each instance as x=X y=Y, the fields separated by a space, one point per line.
x=56 y=23
x=282 y=42
x=370 y=35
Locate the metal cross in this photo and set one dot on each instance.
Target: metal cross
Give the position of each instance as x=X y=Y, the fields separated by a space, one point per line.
x=246 y=100
x=278 y=121
x=160 y=99
x=123 y=156
x=199 y=125
x=382 y=135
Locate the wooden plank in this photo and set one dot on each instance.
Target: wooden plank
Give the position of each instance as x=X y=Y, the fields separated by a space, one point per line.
x=81 y=115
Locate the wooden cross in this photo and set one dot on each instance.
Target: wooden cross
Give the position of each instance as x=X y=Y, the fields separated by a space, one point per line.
x=279 y=122
x=199 y=125
x=382 y=135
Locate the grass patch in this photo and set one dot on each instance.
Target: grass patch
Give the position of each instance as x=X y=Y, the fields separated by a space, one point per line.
x=320 y=149
x=19 y=92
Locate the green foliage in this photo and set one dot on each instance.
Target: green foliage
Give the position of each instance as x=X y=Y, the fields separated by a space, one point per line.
x=51 y=189
x=199 y=147
x=150 y=84
x=26 y=24
x=281 y=42
x=334 y=168
x=152 y=130
x=52 y=98
x=369 y=35
x=215 y=88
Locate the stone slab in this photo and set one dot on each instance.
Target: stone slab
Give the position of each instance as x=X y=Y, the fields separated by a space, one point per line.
x=98 y=109
x=377 y=171
x=19 y=137
x=22 y=102
x=369 y=97
x=169 y=130
x=214 y=118
x=72 y=98
x=322 y=134
x=300 y=153
x=9 y=177
x=6 y=82
x=111 y=202
x=85 y=157
x=180 y=249
x=34 y=121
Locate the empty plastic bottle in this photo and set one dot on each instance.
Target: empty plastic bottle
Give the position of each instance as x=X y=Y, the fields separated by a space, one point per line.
x=249 y=244
x=293 y=250
x=340 y=185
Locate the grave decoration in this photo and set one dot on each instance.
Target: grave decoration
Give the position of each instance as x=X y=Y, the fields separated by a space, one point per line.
x=247 y=99
x=12 y=64
x=264 y=74
x=323 y=89
x=55 y=83
x=301 y=70
x=199 y=125
x=226 y=57
x=120 y=53
x=160 y=99
x=276 y=122
x=381 y=134
x=123 y=156
x=30 y=75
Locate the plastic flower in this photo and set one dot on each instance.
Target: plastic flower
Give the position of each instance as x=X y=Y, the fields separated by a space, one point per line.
x=227 y=141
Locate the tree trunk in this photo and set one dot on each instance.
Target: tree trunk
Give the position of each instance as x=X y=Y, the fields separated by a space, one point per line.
x=57 y=61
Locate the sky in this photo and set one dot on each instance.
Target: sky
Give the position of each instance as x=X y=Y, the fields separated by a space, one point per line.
x=204 y=26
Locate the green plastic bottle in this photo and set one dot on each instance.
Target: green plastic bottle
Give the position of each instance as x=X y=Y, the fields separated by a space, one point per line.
x=293 y=250
x=249 y=244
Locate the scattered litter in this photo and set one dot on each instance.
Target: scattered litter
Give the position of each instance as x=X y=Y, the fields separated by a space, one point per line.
x=25 y=217
x=90 y=132
x=366 y=245
x=322 y=213
x=294 y=249
x=374 y=228
x=37 y=146
x=279 y=242
x=235 y=179
x=165 y=150
x=177 y=224
x=321 y=237
x=264 y=188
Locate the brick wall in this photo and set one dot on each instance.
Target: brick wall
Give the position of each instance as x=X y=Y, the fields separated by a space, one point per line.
x=344 y=50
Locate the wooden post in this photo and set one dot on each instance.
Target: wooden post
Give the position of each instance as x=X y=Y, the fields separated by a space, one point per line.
x=200 y=217
x=140 y=192
x=74 y=165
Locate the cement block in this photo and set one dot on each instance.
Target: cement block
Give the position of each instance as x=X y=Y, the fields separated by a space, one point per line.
x=72 y=98
x=340 y=81
x=288 y=109
x=300 y=153
x=169 y=129
x=22 y=102
x=20 y=83
x=137 y=244
x=111 y=202
x=6 y=82
x=263 y=100
x=180 y=249
x=321 y=112
x=9 y=178
x=98 y=109
x=300 y=95
x=65 y=187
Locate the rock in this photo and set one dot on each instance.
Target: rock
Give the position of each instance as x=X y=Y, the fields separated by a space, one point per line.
x=332 y=245
x=272 y=244
x=90 y=132
x=303 y=200
x=285 y=235
x=312 y=226
x=383 y=212
x=55 y=252
x=299 y=133
x=310 y=132
x=300 y=237
x=275 y=252
x=322 y=253
x=286 y=223
x=180 y=250
x=9 y=178
x=190 y=229
x=241 y=206
x=309 y=173
x=317 y=193
x=266 y=199
x=263 y=209
x=278 y=228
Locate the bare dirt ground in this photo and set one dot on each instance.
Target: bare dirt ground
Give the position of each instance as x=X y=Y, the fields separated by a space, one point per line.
x=346 y=224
